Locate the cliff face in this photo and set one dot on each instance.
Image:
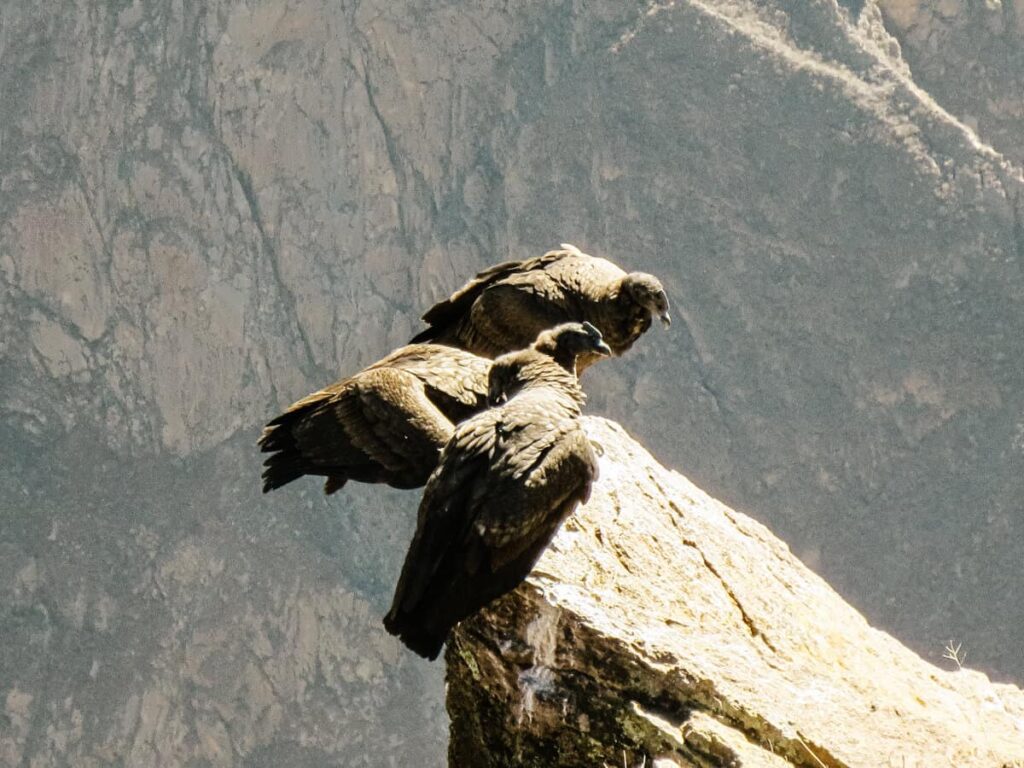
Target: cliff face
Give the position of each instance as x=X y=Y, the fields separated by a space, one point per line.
x=663 y=628
x=209 y=209
x=969 y=57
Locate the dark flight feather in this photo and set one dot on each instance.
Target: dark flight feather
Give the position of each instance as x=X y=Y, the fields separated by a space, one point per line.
x=386 y=424
x=506 y=481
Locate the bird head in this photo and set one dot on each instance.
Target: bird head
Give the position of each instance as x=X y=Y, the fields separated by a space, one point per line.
x=572 y=340
x=503 y=380
x=646 y=291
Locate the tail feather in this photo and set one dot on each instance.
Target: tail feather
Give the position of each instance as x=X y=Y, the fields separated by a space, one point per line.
x=334 y=483
x=280 y=469
x=427 y=335
x=273 y=438
x=418 y=636
x=287 y=461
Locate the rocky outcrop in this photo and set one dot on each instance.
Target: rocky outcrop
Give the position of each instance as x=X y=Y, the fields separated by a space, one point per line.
x=663 y=628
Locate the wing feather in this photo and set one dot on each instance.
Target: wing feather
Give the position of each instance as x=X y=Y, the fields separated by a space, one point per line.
x=458 y=302
x=504 y=307
x=447 y=319
x=388 y=416
x=455 y=380
x=505 y=482
x=376 y=426
x=447 y=510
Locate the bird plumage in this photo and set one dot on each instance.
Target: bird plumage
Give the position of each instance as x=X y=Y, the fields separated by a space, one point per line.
x=385 y=424
x=505 y=482
x=504 y=307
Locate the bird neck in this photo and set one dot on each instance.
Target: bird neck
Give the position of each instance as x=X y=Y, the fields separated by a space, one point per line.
x=566 y=360
x=557 y=381
x=549 y=349
x=534 y=369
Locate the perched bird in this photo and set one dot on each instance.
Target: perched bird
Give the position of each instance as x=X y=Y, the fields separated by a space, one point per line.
x=506 y=480
x=386 y=424
x=504 y=308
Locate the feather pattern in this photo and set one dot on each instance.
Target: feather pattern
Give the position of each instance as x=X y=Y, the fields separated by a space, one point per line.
x=385 y=424
x=506 y=481
x=504 y=307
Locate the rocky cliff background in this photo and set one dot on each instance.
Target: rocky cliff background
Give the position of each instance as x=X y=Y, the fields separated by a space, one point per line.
x=209 y=209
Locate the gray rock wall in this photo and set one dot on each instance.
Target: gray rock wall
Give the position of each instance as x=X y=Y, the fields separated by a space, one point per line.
x=968 y=56
x=209 y=209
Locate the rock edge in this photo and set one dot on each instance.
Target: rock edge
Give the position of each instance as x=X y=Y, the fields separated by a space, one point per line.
x=663 y=628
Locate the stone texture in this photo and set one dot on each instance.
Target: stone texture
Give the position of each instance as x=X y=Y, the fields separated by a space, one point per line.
x=161 y=615
x=209 y=209
x=968 y=56
x=662 y=627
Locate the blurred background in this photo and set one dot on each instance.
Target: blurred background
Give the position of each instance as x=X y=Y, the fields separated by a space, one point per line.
x=209 y=209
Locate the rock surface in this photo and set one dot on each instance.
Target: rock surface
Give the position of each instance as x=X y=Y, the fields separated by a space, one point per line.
x=184 y=623
x=209 y=209
x=663 y=628
x=969 y=56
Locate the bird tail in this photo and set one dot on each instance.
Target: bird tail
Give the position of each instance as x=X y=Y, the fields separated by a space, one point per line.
x=427 y=335
x=334 y=483
x=280 y=469
x=418 y=634
x=285 y=462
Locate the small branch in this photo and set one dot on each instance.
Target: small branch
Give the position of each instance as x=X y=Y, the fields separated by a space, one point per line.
x=952 y=652
x=810 y=751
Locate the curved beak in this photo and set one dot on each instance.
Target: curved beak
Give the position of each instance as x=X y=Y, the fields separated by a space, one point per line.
x=665 y=319
x=603 y=349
